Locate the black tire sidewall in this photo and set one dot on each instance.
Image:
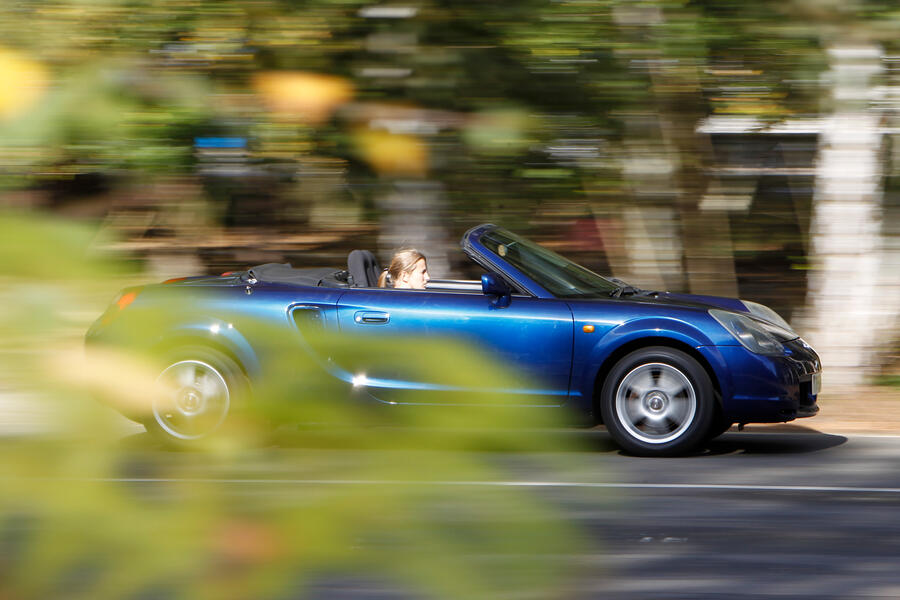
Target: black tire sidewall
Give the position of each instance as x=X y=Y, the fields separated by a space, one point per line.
x=703 y=417
x=719 y=425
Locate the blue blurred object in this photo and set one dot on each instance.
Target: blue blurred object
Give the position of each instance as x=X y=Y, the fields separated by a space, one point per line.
x=664 y=372
x=220 y=142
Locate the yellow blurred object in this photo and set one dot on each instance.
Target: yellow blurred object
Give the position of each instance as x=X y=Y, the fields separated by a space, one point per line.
x=309 y=97
x=22 y=82
x=393 y=154
x=131 y=391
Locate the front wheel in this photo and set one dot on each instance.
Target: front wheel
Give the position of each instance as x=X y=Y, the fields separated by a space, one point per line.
x=657 y=401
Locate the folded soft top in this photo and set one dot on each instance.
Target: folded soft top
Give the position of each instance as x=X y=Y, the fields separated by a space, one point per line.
x=285 y=273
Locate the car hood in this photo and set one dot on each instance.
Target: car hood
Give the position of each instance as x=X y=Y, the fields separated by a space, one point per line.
x=752 y=309
x=674 y=299
x=704 y=301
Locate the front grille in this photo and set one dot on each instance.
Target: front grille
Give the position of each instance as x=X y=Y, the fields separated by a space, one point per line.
x=804 y=357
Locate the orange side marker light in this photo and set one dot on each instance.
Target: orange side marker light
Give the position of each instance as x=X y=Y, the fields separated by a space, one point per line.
x=125 y=300
x=121 y=304
x=588 y=329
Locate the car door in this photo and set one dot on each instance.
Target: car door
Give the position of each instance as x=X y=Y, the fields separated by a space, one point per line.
x=533 y=336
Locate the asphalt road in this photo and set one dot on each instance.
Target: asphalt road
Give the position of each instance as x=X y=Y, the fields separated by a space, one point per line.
x=753 y=515
x=757 y=516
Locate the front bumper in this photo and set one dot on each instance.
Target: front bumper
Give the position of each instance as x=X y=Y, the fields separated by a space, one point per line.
x=805 y=363
x=768 y=389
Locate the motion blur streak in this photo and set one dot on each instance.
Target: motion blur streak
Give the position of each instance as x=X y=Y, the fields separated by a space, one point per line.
x=718 y=147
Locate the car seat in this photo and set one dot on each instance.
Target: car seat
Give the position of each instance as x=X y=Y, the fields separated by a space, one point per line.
x=364 y=269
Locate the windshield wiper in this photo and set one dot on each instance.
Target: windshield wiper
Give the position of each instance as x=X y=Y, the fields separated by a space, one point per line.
x=624 y=289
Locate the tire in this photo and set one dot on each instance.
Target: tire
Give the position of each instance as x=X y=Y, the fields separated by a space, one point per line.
x=718 y=426
x=657 y=401
x=197 y=390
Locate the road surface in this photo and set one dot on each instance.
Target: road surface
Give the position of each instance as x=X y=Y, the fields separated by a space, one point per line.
x=753 y=515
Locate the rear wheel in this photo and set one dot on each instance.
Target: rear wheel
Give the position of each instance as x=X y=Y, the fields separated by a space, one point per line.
x=657 y=401
x=195 y=393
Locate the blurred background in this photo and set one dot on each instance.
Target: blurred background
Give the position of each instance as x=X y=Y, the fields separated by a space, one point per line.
x=710 y=146
x=707 y=146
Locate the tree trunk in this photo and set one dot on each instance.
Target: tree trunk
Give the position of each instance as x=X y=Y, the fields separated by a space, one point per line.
x=845 y=300
x=415 y=217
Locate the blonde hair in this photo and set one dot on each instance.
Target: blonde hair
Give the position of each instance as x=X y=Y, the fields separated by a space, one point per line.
x=404 y=261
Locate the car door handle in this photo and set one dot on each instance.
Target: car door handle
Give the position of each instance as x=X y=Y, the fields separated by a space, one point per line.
x=368 y=317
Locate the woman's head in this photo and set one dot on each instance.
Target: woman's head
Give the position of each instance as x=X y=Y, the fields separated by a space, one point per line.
x=408 y=270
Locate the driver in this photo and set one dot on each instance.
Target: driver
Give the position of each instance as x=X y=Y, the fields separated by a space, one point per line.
x=408 y=270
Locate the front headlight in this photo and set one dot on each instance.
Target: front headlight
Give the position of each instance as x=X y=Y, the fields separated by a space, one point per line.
x=756 y=336
x=761 y=311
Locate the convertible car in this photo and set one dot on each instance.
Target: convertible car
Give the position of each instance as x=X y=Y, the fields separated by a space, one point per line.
x=664 y=372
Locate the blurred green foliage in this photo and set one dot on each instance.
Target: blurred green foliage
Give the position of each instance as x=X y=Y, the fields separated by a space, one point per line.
x=401 y=504
x=528 y=113
x=888 y=381
x=135 y=81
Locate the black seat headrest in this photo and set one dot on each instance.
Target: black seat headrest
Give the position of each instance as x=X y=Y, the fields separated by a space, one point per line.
x=363 y=266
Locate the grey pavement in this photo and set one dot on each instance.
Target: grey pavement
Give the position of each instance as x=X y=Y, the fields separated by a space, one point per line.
x=752 y=515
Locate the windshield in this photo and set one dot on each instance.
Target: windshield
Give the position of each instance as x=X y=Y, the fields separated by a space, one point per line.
x=558 y=275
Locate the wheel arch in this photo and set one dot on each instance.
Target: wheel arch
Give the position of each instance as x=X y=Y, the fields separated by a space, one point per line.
x=233 y=346
x=646 y=342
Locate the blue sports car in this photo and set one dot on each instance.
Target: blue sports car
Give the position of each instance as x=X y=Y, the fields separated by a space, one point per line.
x=664 y=372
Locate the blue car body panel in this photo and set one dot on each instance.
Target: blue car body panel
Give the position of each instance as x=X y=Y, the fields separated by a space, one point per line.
x=620 y=324
x=533 y=334
x=562 y=346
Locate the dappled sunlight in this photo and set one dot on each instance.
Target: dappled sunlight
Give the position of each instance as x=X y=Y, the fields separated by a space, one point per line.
x=22 y=82
x=309 y=97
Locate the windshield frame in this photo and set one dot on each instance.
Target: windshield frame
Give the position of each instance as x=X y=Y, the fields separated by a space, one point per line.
x=538 y=270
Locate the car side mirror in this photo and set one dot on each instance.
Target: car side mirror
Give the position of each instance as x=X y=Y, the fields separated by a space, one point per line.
x=493 y=285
